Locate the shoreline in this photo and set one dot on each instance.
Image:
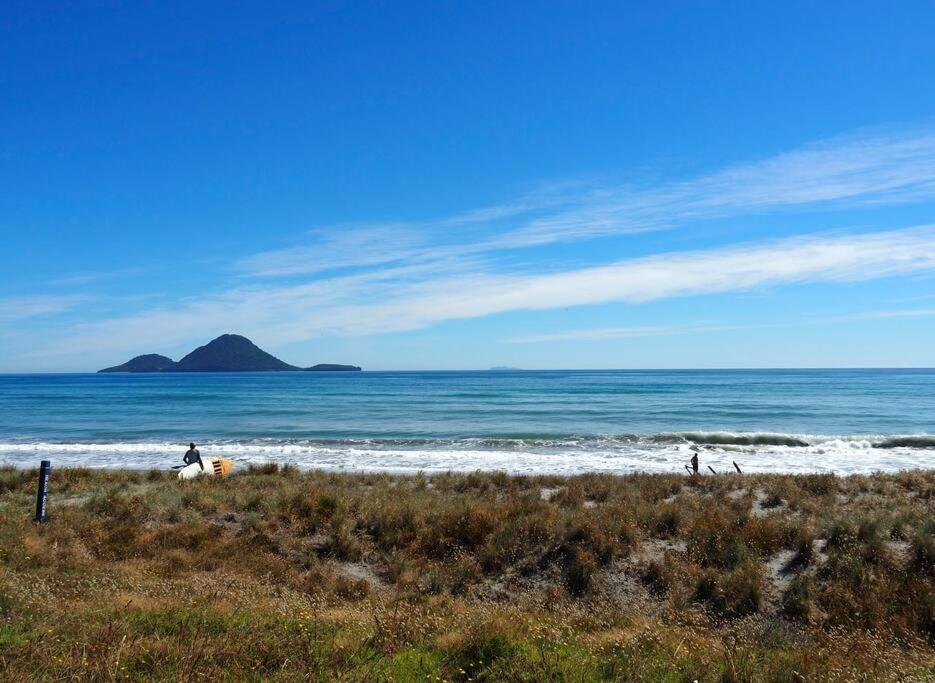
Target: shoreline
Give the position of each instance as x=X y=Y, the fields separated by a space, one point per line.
x=725 y=470
x=240 y=467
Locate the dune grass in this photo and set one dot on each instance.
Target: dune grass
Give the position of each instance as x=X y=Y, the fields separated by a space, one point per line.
x=274 y=574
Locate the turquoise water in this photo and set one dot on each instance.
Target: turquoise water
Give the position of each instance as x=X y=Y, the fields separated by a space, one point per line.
x=543 y=421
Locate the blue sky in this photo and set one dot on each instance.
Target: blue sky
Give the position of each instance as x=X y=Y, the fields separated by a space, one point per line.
x=463 y=185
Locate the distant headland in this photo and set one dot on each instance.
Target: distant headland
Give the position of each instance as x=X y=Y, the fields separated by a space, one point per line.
x=227 y=353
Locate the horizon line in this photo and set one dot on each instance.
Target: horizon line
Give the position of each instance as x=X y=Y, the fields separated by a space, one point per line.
x=504 y=370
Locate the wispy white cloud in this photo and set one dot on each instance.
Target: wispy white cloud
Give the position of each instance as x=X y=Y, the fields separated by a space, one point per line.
x=852 y=170
x=882 y=315
x=337 y=247
x=92 y=277
x=611 y=333
x=814 y=259
x=393 y=277
x=876 y=169
x=23 y=307
x=407 y=298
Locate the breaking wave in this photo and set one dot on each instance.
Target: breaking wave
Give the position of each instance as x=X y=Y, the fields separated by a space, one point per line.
x=521 y=454
x=728 y=439
x=923 y=441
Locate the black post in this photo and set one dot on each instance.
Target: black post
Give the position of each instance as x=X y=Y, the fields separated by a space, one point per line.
x=712 y=469
x=42 y=498
x=737 y=467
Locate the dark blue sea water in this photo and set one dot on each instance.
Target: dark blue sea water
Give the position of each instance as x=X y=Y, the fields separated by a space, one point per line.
x=543 y=421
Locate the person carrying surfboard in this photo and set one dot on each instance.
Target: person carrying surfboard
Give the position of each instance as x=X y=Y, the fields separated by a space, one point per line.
x=192 y=456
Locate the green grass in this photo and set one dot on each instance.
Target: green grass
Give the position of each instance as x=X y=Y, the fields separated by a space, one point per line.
x=279 y=575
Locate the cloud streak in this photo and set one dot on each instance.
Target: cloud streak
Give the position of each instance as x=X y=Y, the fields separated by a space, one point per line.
x=798 y=260
x=611 y=333
x=408 y=298
x=868 y=170
x=394 y=277
x=882 y=169
x=338 y=247
x=20 y=308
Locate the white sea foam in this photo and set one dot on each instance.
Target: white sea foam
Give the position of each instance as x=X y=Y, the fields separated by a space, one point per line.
x=572 y=455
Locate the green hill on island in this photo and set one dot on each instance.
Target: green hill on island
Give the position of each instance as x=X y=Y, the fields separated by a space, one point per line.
x=227 y=353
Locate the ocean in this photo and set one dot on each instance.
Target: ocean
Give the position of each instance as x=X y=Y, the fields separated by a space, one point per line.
x=524 y=422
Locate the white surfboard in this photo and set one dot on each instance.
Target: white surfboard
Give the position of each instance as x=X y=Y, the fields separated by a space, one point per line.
x=214 y=467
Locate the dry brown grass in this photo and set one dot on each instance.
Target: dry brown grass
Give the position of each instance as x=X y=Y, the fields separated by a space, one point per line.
x=277 y=574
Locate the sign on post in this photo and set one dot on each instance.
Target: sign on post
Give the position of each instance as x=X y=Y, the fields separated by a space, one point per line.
x=42 y=497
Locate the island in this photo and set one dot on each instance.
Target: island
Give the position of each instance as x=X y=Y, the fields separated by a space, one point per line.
x=227 y=353
x=230 y=353
x=150 y=362
x=332 y=367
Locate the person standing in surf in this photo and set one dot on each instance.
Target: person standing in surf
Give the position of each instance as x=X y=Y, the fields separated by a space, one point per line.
x=695 y=463
x=193 y=455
